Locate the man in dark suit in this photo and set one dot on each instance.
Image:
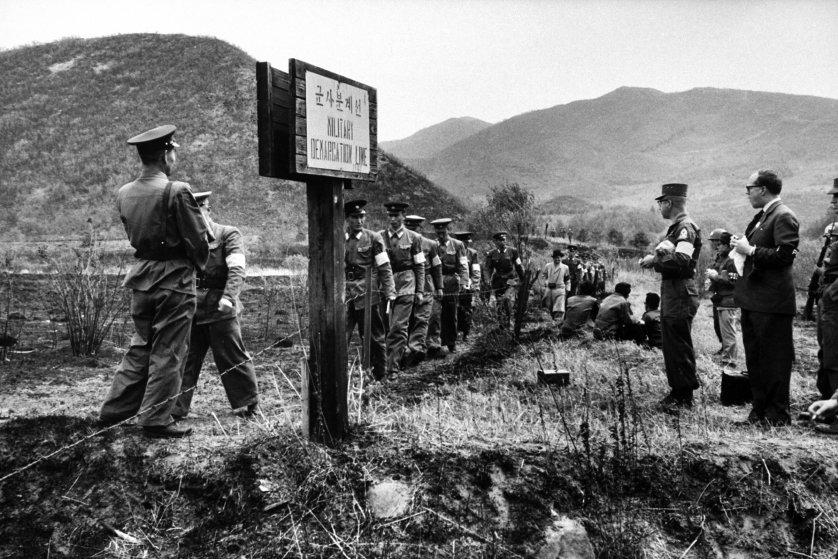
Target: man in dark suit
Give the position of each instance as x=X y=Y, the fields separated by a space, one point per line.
x=765 y=294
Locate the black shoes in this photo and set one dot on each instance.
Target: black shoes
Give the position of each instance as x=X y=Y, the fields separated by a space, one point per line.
x=247 y=412
x=673 y=403
x=170 y=431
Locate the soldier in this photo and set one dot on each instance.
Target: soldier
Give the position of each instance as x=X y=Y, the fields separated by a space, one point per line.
x=675 y=258
x=502 y=265
x=556 y=279
x=827 y=382
x=722 y=277
x=417 y=346
x=454 y=259
x=365 y=252
x=765 y=292
x=216 y=323
x=572 y=264
x=404 y=248
x=165 y=226
x=466 y=302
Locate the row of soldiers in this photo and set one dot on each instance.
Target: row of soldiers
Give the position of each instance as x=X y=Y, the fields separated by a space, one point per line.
x=418 y=292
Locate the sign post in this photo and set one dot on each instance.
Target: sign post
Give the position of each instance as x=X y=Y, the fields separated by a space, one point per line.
x=320 y=128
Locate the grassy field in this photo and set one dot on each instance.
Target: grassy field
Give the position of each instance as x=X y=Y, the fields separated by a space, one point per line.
x=490 y=458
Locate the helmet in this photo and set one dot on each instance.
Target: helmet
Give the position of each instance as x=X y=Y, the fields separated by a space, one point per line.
x=716 y=234
x=831 y=230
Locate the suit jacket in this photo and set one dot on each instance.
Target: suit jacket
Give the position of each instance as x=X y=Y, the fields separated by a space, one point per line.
x=767 y=284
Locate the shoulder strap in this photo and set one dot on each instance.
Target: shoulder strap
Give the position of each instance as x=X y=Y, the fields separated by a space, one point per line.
x=164 y=213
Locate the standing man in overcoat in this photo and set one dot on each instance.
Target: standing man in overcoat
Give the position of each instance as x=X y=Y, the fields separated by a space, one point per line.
x=216 y=323
x=766 y=296
x=675 y=258
x=169 y=235
x=404 y=248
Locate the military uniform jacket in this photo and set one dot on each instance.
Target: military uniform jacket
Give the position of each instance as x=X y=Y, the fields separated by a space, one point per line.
x=365 y=249
x=404 y=248
x=433 y=265
x=503 y=265
x=223 y=276
x=830 y=260
x=454 y=259
x=680 y=263
x=169 y=238
x=767 y=284
x=722 y=286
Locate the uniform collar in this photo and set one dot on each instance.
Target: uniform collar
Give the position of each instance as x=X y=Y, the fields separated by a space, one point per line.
x=153 y=174
x=772 y=204
x=354 y=236
x=398 y=233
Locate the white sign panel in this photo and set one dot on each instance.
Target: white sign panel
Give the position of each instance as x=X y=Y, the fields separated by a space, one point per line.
x=337 y=125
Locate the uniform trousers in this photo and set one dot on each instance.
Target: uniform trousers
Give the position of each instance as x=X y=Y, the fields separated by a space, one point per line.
x=828 y=341
x=231 y=358
x=679 y=303
x=503 y=303
x=464 y=311
x=355 y=315
x=149 y=376
x=717 y=328
x=727 y=332
x=418 y=329
x=769 y=352
x=443 y=325
x=400 y=312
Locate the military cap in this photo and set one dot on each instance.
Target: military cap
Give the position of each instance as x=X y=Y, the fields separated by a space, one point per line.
x=716 y=234
x=558 y=253
x=396 y=206
x=355 y=207
x=500 y=236
x=441 y=222
x=672 y=189
x=159 y=138
x=834 y=187
x=463 y=235
x=201 y=196
x=417 y=219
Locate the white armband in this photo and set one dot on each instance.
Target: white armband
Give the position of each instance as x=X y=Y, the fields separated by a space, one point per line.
x=435 y=261
x=381 y=258
x=685 y=247
x=419 y=258
x=475 y=267
x=518 y=261
x=464 y=261
x=235 y=260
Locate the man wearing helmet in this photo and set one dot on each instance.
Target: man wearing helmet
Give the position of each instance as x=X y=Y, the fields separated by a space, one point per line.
x=722 y=275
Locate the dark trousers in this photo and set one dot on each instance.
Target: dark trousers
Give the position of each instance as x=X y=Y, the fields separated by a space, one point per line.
x=464 y=312
x=355 y=315
x=148 y=378
x=443 y=324
x=828 y=341
x=397 y=331
x=231 y=358
x=769 y=352
x=679 y=355
x=716 y=326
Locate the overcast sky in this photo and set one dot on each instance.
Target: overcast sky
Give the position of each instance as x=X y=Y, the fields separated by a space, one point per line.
x=490 y=59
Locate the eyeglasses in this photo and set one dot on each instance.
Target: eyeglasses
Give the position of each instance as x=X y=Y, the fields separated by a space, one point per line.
x=749 y=187
x=662 y=202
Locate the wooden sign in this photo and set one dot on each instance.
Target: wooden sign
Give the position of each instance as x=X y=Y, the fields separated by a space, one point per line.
x=313 y=122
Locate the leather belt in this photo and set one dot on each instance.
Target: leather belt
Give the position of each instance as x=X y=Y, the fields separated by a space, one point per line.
x=355 y=273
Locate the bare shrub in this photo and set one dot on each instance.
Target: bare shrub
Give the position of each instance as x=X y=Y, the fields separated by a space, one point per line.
x=89 y=297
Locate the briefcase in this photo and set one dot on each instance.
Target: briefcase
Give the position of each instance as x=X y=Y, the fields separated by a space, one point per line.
x=559 y=377
x=736 y=388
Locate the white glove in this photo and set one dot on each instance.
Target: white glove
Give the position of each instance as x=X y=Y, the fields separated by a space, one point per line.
x=742 y=246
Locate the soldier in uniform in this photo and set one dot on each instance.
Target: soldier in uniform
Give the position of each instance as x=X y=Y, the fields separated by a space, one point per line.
x=828 y=320
x=675 y=259
x=766 y=296
x=572 y=264
x=404 y=248
x=722 y=277
x=216 y=323
x=466 y=302
x=455 y=276
x=364 y=252
x=417 y=346
x=169 y=235
x=502 y=265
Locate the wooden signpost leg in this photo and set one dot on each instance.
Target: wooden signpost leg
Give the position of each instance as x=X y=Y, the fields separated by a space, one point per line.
x=328 y=417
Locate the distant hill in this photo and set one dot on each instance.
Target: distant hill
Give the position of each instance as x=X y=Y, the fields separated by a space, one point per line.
x=69 y=106
x=623 y=145
x=430 y=141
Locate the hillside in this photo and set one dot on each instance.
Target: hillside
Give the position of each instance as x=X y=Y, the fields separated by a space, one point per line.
x=431 y=140
x=623 y=145
x=69 y=106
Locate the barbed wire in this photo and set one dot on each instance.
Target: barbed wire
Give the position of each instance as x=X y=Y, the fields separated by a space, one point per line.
x=60 y=450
